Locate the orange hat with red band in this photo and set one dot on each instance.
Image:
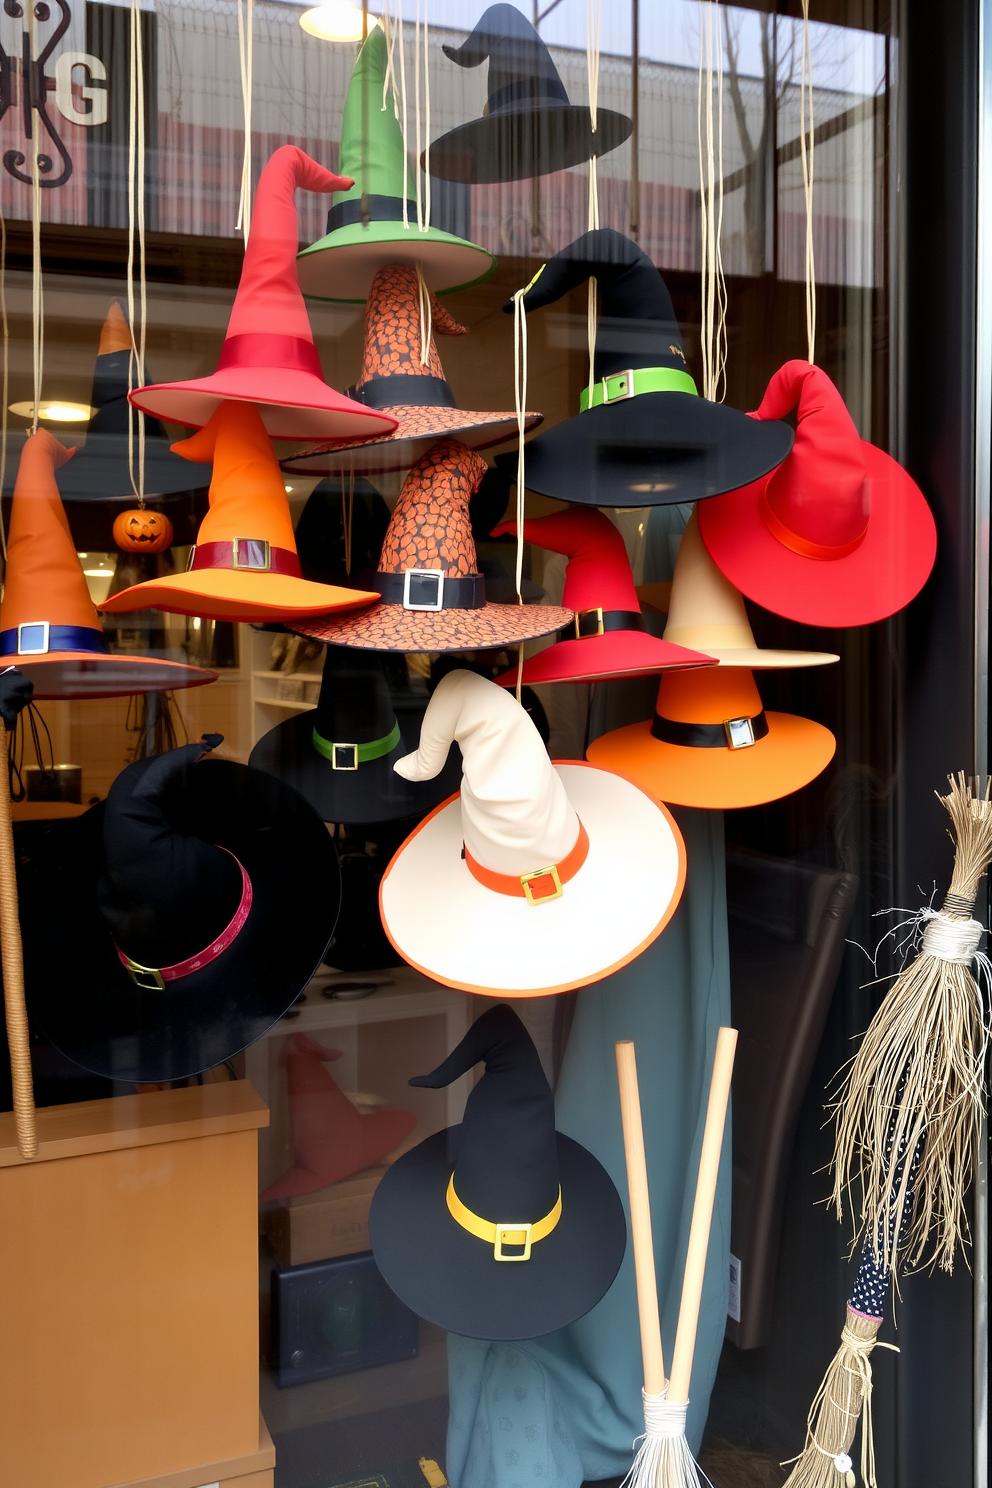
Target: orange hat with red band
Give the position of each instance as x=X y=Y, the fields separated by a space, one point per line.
x=608 y=636
x=269 y=357
x=49 y=627
x=580 y=869
x=839 y=534
x=244 y=565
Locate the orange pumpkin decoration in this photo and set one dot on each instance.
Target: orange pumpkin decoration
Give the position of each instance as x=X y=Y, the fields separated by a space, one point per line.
x=142 y=531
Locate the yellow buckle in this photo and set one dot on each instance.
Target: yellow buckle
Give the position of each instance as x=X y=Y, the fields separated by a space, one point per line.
x=148 y=978
x=527 y=879
x=251 y=553
x=338 y=761
x=580 y=615
x=512 y=1234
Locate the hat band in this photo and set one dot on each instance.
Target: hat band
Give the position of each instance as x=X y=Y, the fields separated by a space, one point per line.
x=267 y=349
x=431 y=589
x=370 y=209
x=404 y=390
x=154 y=978
x=502 y=1232
x=350 y=756
x=804 y=546
x=539 y=887
x=526 y=90
x=619 y=386
x=597 y=622
x=39 y=638
x=248 y=555
x=732 y=733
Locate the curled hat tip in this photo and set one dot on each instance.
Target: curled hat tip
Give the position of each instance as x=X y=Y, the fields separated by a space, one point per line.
x=408 y=766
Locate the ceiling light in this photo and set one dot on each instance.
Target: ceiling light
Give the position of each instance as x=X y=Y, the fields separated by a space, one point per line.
x=56 y=411
x=287 y=489
x=337 y=20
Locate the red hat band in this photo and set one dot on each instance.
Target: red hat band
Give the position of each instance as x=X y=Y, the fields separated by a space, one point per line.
x=817 y=502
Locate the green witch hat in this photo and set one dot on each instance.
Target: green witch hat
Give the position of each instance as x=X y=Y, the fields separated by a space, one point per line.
x=365 y=227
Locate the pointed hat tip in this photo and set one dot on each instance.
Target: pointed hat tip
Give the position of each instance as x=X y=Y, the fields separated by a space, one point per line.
x=115 y=334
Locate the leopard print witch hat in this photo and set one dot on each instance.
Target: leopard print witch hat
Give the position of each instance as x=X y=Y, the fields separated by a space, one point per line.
x=399 y=383
x=433 y=597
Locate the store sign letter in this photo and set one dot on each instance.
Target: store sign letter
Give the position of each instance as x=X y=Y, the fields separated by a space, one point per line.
x=94 y=111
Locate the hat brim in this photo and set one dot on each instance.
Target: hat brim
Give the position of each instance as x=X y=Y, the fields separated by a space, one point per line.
x=235 y=594
x=883 y=574
x=530 y=138
x=441 y=919
x=372 y=793
x=93 y=674
x=342 y=265
x=99 y=470
x=793 y=752
x=617 y=653
x=82 y=998
x=657 y=449
x=292 y=404
x=416 y=430
x=758 y=660
x=452 y=1279
x=392 y=628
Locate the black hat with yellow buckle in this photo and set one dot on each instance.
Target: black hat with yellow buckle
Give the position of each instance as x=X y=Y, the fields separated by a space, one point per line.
x=501 y=1228
x=642 y=437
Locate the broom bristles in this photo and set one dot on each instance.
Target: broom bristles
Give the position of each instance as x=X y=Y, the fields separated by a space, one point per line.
x=842 y=1399
x=916 y=1083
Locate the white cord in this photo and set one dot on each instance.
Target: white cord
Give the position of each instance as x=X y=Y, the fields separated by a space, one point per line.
x=806 y=150
x=594 y=15
x=136 y=219
x=949 y=939
x=37 y=289
x=520 y=408
x=713 y=329
x=246 y=35
x=426 y=318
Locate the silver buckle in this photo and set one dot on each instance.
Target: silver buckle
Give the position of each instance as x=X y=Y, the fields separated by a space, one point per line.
x=627 y=391
x=739 y=732
x=32 y=638
x=336 y=763
x=437 y=575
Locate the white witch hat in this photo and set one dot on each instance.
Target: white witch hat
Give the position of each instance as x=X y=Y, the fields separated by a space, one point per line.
x=536 y=878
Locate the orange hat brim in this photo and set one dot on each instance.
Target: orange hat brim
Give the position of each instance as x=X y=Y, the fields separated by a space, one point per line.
x=392 y=628
x=235 y=594
x=416 y=430
x=93 y=674
x=794 y=751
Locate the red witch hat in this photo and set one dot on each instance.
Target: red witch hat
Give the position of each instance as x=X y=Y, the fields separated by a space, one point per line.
x=269 y=357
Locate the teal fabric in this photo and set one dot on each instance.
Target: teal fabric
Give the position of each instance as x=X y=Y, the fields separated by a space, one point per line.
x=587 y=1378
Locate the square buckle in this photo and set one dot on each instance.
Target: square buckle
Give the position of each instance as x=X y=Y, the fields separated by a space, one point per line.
x=32 y=638
x=739 y=732
x=580 y=616
x=148 y=978
x=528 y=880
x=417 y=584
x=623 y=391
x=251 y=553
x=341 y=759
x=512 y=1234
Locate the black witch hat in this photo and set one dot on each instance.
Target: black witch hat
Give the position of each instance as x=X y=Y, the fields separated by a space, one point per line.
x=340 y=756
x=529 y=127
x=171 y=925
x=645 y=438
x=501 y=1228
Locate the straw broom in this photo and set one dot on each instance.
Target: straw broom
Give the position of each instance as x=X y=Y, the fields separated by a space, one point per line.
x=917 y=1081
x=12 y=699
x=663 y=1458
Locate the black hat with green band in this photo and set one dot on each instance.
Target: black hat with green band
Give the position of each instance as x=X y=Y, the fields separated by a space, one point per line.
x=642 y=437
x=339 y=755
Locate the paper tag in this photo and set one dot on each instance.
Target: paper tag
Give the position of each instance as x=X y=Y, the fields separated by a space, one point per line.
x=734 y=1294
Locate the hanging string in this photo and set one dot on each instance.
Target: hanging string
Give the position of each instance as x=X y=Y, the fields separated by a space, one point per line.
x=348 y=519
x=136 y=220
x=594 y=15
x=6 y=374
x=421 y=63
x=520 y=407
x=709 y=135
x=246 y=36
x=806 y=151
x=37 y=291
x=426 y=315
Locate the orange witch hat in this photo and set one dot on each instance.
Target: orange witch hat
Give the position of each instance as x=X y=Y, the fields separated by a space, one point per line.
x=48 y=623
x=332 y=1139
x=244 y=565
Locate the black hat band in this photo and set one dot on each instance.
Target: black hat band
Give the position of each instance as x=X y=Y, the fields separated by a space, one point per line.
x=598 y=621
x=732 y=733
x=431 y=589
x=348 y=757
x=154 y=978
x=404 y=390
x=525 y=90
x=370 y=209
x=39 y=638
x=501 y=1233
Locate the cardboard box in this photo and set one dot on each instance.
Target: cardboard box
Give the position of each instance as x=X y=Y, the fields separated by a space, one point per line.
x=319 y=1226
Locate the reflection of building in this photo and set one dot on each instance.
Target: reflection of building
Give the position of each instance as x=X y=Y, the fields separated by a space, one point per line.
x=195 y=141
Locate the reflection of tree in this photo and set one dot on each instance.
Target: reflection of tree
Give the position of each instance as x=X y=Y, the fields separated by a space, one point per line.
x=758 y=173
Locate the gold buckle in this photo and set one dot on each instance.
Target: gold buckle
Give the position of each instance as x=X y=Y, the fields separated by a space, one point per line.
x=625 y=390
x=739 y=733
x=505 y=1234
x=148 y=978
x=336 y=759
x=527 y=879
x=580 y=615
x=255 y=548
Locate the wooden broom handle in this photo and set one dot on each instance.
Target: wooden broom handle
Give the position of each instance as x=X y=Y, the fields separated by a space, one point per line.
x=640 y=1220
x=13 y=973
x=702 y=1214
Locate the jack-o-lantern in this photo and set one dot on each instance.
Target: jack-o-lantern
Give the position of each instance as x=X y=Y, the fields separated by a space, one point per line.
x=142 y=531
